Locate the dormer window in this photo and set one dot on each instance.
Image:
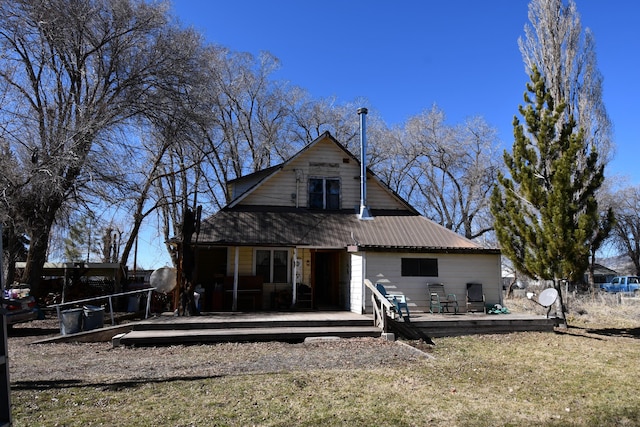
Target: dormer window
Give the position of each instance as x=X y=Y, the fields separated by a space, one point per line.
x=324 y=193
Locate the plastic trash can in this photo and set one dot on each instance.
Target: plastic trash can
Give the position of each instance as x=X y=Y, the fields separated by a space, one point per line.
x=93 y=317
x=71 y=321
x=133 y=304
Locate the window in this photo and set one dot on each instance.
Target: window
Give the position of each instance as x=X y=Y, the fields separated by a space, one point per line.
x=324 y=193
x=272 y=265
x=420 y=267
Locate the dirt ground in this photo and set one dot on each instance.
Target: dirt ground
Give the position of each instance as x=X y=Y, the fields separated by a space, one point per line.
x=49 y=365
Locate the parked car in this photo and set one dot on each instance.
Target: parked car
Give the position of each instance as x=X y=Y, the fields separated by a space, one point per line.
x=627 y=284
x=18 y=306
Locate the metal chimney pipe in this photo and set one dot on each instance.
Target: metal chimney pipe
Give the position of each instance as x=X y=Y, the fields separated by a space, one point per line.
x=364 y=210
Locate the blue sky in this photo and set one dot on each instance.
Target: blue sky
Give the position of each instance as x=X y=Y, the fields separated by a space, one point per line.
x=404 y=56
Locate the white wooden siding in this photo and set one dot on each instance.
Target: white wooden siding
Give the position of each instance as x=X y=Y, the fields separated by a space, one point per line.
x=454 y=271
x=289 y=187
x=356 y=293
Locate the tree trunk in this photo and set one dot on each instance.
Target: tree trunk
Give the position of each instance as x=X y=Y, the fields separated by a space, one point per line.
x=511 y=285
x=12 y=250
x=591 y=277
x=560 y=307
x=36 y=258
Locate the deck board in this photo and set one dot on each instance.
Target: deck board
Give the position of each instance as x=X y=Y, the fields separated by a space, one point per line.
x=291 y=326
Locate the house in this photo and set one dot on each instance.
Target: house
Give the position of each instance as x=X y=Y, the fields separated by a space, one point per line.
x=601 y=274
x=293 y=237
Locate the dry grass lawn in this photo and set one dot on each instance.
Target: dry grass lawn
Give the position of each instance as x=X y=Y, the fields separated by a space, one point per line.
x=587 y=376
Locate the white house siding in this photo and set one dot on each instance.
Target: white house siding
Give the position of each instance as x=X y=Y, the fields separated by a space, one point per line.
x=356 y=287
x=454 y=271
x=289 y=187
x=378 y=197
x=344 y=285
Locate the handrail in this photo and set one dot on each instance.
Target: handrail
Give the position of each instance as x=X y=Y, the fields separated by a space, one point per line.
x=380 y=313
x=109 y=297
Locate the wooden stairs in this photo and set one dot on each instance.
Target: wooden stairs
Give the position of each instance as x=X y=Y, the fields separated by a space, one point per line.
x=236 y=327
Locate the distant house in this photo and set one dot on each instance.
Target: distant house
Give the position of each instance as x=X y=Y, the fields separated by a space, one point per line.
x=601 y=274
x=292 y=237
x=83 y=278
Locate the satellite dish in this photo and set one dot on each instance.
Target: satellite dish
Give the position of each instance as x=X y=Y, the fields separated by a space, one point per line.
x=548 y=297
x=164 y=279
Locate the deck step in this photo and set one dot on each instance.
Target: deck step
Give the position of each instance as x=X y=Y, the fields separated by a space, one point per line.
x=212 y=335
x=498 y=325
x=204 y=323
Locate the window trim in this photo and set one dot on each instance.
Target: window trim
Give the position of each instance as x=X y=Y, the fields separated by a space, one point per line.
x=429 y=265
x=324 y=191
x=271 y=251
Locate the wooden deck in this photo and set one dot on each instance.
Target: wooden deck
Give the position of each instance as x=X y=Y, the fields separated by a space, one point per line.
x=297 y=326
x=442 y=325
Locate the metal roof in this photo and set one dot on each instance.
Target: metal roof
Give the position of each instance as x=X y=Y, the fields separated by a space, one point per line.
x=278 y=226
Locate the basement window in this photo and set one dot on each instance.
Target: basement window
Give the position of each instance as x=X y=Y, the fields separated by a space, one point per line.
x=419 y=267
x=324 y=193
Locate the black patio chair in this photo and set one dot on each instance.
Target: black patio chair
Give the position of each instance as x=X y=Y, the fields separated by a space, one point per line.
x=475 y=298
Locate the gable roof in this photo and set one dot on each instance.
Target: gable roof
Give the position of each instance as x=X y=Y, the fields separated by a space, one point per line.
x=254 y=180
x=282 y=226
x=602 y=270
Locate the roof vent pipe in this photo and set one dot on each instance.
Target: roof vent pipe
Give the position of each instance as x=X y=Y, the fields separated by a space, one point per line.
x=364 y=210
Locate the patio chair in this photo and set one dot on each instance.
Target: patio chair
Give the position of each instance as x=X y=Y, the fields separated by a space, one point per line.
x=475 y=297
x=439 y=300
x=398 y=300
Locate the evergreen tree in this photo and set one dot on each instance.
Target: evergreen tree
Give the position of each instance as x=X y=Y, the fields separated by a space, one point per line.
x=546 y=211
x=77 y=244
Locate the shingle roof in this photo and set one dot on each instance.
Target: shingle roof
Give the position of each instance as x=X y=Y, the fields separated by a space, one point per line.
x=277 y=226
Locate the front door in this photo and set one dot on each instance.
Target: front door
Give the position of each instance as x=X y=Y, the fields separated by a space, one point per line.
x=326 y=275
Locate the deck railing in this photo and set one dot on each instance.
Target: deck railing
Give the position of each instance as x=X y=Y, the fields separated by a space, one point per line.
x=110 y=298
x=382 y=307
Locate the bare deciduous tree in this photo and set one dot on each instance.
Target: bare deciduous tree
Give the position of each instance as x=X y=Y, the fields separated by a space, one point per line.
x=555 y=44
x=310 y=118
x=76 y=70
x=453 y=170
x=247 y=109
x=626 y=230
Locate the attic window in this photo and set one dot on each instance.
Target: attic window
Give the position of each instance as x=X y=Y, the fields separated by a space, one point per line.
x=324 y=193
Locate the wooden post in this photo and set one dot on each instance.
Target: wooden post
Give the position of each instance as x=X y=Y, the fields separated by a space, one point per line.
x=294 y=293
x=236 y=263
x=5 y=389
